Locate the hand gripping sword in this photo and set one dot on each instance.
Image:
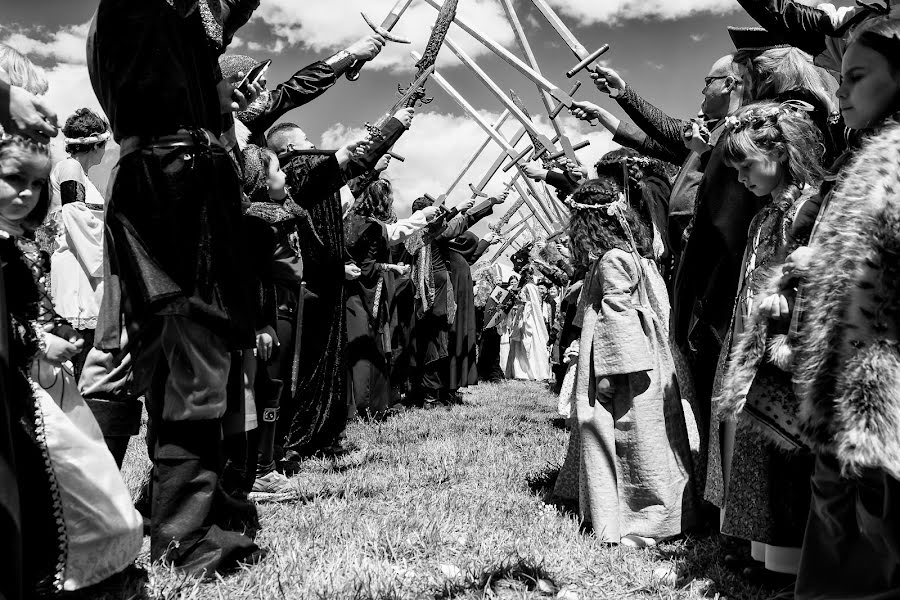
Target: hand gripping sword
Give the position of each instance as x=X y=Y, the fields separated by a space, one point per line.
x=384 y=30
x=415 y=92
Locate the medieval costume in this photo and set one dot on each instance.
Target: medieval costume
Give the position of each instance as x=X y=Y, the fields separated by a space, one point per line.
x=846 y=372
x=317 y=413
x=763 y=490
x=77 y=263
x=529 y=357
x=463 y=251
x=489 y=366
x=176 y=277
x=628 y=462
x=78 y=524
x=368 y=308
x=435 y=307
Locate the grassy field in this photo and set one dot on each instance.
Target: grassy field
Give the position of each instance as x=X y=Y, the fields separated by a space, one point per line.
x=448 y=504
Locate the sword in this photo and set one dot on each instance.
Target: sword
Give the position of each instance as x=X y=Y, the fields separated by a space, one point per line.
x=507 y=243
x=477 y=154
x=498 y=93
x=571 y=41
x=405 y=97
x=540 y=149
x=384 y=30
x=545 y=96
x=512 y=59
x=510 y=151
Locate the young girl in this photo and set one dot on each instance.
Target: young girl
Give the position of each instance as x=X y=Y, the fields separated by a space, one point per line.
x=845 y=328
x=761 y=489
x=77 y=521
x=629 y=441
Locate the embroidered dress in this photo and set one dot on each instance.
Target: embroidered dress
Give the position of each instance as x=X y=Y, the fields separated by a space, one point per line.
x=528 y=356
x=76 y=275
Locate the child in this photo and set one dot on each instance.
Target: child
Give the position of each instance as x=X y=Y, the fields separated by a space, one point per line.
x=77 y=520
x=762 y=489
x=847 y=364
x=629 y=435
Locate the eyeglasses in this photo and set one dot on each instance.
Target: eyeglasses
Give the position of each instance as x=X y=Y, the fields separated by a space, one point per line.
x=709 y=80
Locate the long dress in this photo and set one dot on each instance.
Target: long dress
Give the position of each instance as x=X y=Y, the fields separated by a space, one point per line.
x=528 y=356
x=76 y=275
x=368 y=317
x=629 y=448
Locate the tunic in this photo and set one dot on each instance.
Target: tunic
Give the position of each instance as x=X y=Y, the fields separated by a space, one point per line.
x=76 y=273
x=629 y=445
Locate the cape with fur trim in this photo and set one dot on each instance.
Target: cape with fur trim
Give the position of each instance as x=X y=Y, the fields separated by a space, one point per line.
x=848 y=357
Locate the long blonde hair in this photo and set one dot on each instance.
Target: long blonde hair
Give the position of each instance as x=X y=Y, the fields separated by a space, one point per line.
x=775 y=71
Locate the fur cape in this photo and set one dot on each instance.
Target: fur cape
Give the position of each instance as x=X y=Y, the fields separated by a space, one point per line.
x=847 y=371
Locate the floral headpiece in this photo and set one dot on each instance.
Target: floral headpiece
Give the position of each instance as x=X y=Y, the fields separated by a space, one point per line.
x=754 y=119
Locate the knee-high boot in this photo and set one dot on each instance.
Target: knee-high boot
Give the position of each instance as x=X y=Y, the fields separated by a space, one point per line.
x=188 y=501
x=118 y=420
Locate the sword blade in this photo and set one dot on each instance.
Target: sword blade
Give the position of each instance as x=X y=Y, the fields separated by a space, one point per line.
x=395 y=14
x=498 y=93
x=512 y=59
x=568 y=37
x=513 y=18
x=477 y=154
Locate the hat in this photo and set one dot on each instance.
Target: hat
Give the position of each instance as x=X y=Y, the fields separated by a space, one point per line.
x=755 y=38
x=232 y=64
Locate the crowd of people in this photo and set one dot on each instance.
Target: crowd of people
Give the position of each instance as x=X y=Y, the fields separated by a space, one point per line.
x=718 y=316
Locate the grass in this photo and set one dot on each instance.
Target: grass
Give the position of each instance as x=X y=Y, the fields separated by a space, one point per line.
x=446 y=504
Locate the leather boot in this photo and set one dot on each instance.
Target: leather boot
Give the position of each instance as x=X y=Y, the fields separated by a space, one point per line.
x=189 y=503
x=118 y=420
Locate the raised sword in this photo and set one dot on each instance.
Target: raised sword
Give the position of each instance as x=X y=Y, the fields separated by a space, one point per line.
x=581 y=52
x=384 y=30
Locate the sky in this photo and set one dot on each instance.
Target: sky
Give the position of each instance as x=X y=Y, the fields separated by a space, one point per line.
x=663 y=48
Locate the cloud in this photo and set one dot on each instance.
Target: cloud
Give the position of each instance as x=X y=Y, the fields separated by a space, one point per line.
x=588 y=12
x=67 y=44
x=318 y=26
x=698 y=37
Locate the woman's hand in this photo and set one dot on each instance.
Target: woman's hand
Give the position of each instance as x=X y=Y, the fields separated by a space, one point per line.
x=266 y=340
x=586 y=111
x=351 y=272
x=777 y=307
x=232 y=99
x=535 y=171
x=796 y=266
x=405 y=116
x=60 y=350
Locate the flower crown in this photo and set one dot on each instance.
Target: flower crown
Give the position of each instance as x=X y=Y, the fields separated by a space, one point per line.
x=753 y=119
x=610 y=206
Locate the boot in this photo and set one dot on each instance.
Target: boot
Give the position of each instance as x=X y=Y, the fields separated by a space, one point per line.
x=188 y=502
x=268 y=396
x=118 y=420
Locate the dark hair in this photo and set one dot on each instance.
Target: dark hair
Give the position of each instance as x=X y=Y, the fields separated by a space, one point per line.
x=37 y=215
x=769 y=127
x=593 y=231
x=377 y=201
x=881 y=34
x=84 y=123
x=278 y=131
x=421 y=202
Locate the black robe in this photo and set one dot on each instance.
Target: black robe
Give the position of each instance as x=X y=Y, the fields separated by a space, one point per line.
x=368 y=316
x=462 y=344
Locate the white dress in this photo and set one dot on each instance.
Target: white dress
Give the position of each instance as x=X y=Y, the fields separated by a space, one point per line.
x=76 y=275
x=528 y=356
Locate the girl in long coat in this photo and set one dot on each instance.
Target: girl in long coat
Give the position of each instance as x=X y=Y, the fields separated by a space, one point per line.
x=629 y=447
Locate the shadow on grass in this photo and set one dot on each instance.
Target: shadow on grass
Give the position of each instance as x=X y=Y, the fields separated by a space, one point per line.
x=702 y=558
x=130 y=584
x=515 y=574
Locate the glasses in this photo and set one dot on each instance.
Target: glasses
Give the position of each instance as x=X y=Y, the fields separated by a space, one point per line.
x=709 y=80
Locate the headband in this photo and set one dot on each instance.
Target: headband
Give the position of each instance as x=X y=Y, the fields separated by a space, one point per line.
x=752 y=118
x=91 y=139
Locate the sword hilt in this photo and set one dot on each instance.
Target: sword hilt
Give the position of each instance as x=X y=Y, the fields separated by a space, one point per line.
x=587 y=60
x=577 y=146
x=477 y=193
x=517 y=158
x=562 y=105
x=353 y=72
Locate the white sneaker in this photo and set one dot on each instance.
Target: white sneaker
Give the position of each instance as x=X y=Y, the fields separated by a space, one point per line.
x=273 y=487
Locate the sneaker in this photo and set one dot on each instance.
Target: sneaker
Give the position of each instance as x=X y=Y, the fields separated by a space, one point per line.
x=273 y=487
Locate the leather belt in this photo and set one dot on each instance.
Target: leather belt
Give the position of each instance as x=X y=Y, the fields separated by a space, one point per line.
x=184 y=138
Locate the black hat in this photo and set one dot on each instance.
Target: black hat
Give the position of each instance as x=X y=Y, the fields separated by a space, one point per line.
x=755 y=38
